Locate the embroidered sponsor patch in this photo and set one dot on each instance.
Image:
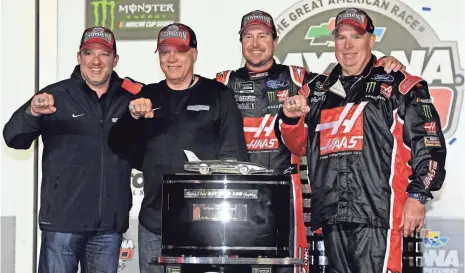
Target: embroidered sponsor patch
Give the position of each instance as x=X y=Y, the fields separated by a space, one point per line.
x=243 y=87
x=382 y=78
x=432 y=141
x=245 y=98
x=275 y=84
x=386 y=90
x=198 y=107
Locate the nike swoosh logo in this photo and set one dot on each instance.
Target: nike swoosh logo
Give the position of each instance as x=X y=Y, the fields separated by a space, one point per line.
x=75 y=116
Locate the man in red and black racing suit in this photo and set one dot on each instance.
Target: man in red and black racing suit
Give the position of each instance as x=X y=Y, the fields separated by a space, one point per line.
x=260 y=88
x=375 y=152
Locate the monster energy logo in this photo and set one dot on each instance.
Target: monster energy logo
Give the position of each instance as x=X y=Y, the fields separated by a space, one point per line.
x=271 y=96
x=427 y=111
x=370 y=87
x=101 y=8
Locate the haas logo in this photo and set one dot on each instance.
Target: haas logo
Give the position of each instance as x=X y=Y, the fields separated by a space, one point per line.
x=341 y=129
x=259 y=133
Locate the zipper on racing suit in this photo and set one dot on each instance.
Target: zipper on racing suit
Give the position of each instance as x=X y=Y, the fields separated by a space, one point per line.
x=342 y=162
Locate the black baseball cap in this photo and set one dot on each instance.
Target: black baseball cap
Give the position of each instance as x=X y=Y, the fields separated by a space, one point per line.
x=355 y=18
x=98 y=35
x=258 y=17
x=178 y=36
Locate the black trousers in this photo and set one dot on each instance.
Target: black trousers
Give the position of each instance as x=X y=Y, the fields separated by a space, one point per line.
x=355 y=248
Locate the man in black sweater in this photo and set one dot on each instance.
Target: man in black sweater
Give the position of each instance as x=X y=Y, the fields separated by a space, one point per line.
x=183 y=112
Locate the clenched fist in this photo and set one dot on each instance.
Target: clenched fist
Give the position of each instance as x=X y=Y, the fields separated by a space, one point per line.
x=42 y=104
x=141 y=108
x=296 y=107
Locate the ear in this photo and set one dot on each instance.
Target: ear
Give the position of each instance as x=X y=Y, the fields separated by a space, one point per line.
x=115 y=60
x=275 y=43
x=194 y=55
x=372 y=40
x=78 y=56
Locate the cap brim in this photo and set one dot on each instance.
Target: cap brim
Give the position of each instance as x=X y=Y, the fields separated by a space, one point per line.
x=100 y=43
x=263 y=24
x=174 y=43
x=355 y=26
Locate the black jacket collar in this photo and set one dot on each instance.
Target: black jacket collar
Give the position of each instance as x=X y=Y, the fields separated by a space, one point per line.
x=244 y=72
x=336 y=73
x=115 y=80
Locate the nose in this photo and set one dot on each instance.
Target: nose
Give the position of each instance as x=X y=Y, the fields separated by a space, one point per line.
x=172 y=57
x=348 y=44
x=255 y=42
x=96 y=59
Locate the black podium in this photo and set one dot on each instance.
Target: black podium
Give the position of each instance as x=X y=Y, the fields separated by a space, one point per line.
x=226 y=223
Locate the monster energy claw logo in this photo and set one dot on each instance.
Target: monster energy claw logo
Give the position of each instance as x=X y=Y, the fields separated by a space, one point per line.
x=370 y=87
x=427 y=111
x=101 y=8
x=271 y=96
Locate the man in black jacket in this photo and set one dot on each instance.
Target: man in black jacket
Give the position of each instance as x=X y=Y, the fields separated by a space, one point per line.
x=183 y=112
x=85 y=190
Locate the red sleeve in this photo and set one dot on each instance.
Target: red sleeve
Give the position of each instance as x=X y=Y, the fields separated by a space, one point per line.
x=223 y=77
x=292 y=133
x=131 y=86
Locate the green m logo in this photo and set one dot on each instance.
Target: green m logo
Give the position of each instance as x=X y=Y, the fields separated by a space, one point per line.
x=271 y=96
x=427 y=112
x=101 y=9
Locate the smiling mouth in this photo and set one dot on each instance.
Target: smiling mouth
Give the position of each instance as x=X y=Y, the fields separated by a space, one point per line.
x=96 y=70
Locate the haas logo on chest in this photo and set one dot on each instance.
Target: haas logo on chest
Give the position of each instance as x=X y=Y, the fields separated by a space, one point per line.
x=259 y=133
x=341 y=129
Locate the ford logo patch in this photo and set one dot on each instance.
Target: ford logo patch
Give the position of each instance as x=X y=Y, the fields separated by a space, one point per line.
x=274 y=84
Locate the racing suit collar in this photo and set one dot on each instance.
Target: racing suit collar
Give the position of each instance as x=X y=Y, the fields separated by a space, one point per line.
x=260 y=75
x=336 y=73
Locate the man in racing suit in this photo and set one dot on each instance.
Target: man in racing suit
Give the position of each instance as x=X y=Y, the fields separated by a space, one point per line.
x=368 y=134
x=260 y=88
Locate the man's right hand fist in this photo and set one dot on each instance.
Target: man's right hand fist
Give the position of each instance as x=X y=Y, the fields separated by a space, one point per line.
x=141 y=108
x=42 y=104
x=296 y=107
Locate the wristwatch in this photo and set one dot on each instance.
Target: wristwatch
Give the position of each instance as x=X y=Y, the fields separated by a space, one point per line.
x=422 y=198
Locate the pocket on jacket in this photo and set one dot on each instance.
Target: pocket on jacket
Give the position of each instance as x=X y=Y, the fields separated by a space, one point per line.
x=49 y=199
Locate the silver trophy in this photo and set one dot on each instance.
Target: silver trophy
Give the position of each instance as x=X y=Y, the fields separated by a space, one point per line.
x=229 y=166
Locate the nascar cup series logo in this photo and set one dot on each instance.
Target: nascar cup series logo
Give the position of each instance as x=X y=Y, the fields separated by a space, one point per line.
x=305 y=39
